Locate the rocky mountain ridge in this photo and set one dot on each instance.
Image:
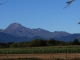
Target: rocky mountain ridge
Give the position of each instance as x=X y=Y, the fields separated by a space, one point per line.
x=18 y=31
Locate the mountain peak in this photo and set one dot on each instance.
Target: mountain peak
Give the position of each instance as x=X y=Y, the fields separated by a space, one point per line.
x=14 y=26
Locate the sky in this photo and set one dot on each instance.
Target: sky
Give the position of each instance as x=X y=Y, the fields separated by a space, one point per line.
x=45 y=14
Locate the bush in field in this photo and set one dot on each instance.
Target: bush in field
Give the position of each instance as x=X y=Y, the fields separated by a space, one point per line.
x=51 y=42
x=37 y=42
x=3 y=45
x=14 y=45
x=76 y=42
x=22 y=44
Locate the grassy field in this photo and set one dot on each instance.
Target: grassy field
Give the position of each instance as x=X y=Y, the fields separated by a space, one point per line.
x=41 y=53
x=41 y=50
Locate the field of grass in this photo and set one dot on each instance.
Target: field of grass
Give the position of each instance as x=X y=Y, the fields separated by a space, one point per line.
x=41 y=53
x=41 y=50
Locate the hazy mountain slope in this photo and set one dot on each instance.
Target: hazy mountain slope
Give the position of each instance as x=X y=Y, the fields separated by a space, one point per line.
x=70 y=37
x=5 y=37
x=1 y=30
x=17 y=29
x=16 y=32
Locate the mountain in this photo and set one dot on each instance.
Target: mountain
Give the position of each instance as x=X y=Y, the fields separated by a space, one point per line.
x=1 y=30
x=15 y=32
x=18 y=30
x=37 y=37
x=70 y=37
x=5 y=37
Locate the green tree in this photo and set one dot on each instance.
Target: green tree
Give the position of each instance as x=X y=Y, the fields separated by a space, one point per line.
x=37 y=42
x=51 y=42
x=57 y=42
x=76 y=42
x=9 y=43
x=3 y=45
x=23 y=44
x=14 y=45
x=69 y=43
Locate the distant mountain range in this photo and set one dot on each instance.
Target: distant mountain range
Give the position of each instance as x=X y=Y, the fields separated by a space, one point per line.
x=15 y=32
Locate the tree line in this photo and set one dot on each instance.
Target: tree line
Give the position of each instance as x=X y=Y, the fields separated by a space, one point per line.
x=38 y=43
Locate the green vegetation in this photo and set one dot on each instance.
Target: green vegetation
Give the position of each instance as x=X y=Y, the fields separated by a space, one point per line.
x=41 y=50
x=39 y=43
x=39 y=46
